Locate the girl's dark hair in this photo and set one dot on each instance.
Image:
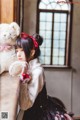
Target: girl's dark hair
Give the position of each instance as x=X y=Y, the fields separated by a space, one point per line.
x=28 y=44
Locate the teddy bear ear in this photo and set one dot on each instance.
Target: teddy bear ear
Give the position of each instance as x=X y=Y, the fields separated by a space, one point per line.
x=16 y=27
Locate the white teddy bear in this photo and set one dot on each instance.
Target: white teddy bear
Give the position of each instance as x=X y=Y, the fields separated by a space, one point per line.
x=8 y=36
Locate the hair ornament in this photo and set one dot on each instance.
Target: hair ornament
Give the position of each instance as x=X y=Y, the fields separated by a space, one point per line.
x=25 y=36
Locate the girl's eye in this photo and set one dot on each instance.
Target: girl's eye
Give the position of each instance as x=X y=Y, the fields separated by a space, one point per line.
x=21 y=49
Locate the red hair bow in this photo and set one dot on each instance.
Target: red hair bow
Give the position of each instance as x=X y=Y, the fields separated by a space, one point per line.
x=24 y=36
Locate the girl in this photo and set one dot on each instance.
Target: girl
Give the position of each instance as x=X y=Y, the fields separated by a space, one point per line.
x=35 y=104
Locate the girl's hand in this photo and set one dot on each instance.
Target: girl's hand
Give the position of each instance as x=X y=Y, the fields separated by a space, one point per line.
x=25 y=78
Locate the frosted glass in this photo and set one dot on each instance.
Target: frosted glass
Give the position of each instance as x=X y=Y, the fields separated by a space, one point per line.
x=42 y=16
x=56 y=44
x=53 y=5
x=58 y=7
x=48 y=34
x=52 y=0
x=62 y=44
x=47 y=60
x=56 y=35
x=48 y=26
x=42 y=33
x=61 y=52
x=63 y=17
x=49 y=6
x=55 y=52
x=42 y=51
x=48 y=43
x=45 y=1
x=47 y=52
x=57 y=17
x=42 y=25
x=57 y=26
x=62 y=35
x=65 y=7
x=61 y=60
x=42 y=6
x=55 y=60
x=49 y=17
x=63 y=26
x=42 y=59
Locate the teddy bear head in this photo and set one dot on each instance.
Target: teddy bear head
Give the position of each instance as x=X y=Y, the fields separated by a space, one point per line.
x=9 y=33
x=8 y=36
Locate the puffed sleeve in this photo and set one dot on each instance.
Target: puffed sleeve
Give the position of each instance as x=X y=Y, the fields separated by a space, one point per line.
x=29 y=92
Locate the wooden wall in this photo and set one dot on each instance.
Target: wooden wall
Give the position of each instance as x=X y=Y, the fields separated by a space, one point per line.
x=7 y=11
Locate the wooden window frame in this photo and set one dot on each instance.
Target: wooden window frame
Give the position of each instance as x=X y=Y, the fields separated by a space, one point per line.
x=68 y=41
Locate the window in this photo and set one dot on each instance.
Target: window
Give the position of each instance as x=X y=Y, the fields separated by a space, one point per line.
x=54 y=25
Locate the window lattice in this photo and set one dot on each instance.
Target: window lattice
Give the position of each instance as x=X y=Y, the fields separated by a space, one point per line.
x=53 y=26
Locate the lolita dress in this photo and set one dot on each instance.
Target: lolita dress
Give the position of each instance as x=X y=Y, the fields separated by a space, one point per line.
x=35 y=103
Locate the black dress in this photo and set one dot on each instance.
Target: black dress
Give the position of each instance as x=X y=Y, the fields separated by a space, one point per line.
x=46 y=108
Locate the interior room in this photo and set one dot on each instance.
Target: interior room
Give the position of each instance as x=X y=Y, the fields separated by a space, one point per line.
x=58 y=22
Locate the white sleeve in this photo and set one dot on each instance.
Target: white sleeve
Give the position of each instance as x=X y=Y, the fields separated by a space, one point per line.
x=36 y=84
x=31 y=90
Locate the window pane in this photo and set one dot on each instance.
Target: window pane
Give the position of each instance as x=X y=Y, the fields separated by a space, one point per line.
x=63 y=17
x=49 y=17
x=58 y=7
x=45 y=1
x=57 y=17
x=62 y=44
x=65 y=7
x=48 y=34
x=62 y=35
x=48 y=26
x=47 y=60
x=48 y=43
x=55 y=52
x=56 y=44
x=62 y=52
x=42 y=51
x=47 y=52
x=42 y=25
x=55 y=60
x=57 y=26
x=42 y=59
x=42 y=16
x=53 y=5
x=63 y=26
x=51 y=1
x=42 y=33
x=56 y=35
x=61 y=60
x=42 y=6
x=49 y=6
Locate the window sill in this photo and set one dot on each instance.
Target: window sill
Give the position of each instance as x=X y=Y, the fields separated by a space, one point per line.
x=56 y=67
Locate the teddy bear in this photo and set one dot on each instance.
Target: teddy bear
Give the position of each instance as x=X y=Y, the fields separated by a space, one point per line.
x=8 y=36
x=9 y=86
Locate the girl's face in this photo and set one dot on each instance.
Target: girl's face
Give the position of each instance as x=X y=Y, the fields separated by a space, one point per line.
x=20 y=54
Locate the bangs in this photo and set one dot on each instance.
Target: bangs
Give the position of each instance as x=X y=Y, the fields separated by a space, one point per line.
x=18 y=43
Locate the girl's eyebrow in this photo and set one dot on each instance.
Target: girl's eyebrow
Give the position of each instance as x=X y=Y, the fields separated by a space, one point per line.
x=19 y=48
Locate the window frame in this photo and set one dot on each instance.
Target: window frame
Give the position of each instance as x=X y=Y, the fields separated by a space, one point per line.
x=68 y=40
